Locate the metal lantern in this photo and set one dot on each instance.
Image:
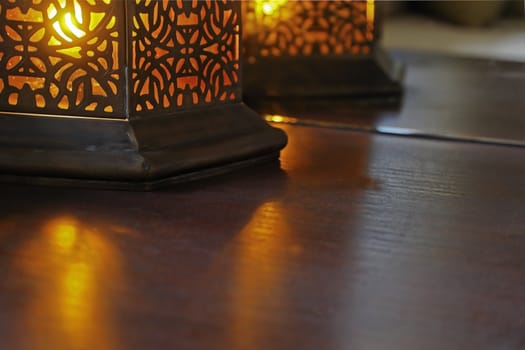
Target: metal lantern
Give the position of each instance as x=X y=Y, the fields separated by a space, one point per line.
x=316 y=48
x=124 y=93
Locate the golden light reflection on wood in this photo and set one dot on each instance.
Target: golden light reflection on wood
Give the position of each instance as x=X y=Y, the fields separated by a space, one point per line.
x=258 y=278
x=64 y=232
x=353 y=159
x=74 y=269
x=270 y=250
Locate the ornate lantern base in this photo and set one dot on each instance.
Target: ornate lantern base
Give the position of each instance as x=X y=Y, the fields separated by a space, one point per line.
x=134 y=154
x=375 y=75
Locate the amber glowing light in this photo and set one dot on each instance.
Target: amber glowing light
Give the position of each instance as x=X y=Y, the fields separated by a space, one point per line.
x=70 y=56
x=292 y=28
x=64 y=57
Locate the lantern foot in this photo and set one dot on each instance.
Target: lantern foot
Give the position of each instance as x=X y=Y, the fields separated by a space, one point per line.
x=368 y=76
x=136 y=154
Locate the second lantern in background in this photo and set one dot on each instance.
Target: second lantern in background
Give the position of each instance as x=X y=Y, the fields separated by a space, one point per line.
x=316 y=48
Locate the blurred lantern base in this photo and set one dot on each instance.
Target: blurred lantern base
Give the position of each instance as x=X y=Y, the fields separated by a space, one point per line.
x=140 y=154
x=375 y=75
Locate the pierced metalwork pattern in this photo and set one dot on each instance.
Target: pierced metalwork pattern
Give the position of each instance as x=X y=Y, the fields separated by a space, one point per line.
x=184 y=53
x=61 y=57
x=293 y=28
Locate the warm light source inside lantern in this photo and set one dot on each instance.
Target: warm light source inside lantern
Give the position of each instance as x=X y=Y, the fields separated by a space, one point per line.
x=268 y=7
x=67 y=22
x=370 y=12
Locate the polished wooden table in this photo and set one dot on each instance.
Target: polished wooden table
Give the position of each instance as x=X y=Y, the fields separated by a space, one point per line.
x=444 y=97
x=356 y=240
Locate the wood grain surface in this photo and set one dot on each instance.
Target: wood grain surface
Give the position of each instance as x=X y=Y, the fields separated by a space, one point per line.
x=450 y=97
x=355 y=241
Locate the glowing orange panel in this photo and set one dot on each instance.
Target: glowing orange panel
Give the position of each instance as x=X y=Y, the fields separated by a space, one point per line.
x=61 y=57
x=294 y=28
x=184 y=53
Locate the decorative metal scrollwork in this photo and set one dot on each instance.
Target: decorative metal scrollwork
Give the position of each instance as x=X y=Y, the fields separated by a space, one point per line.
x=71 y=57
x=306 y=28
x=185 y=53
x=61 y=57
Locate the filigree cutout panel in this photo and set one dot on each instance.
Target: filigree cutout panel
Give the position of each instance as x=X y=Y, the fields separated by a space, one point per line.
x=306 y=28
x=184 y=53
x=62 y=57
